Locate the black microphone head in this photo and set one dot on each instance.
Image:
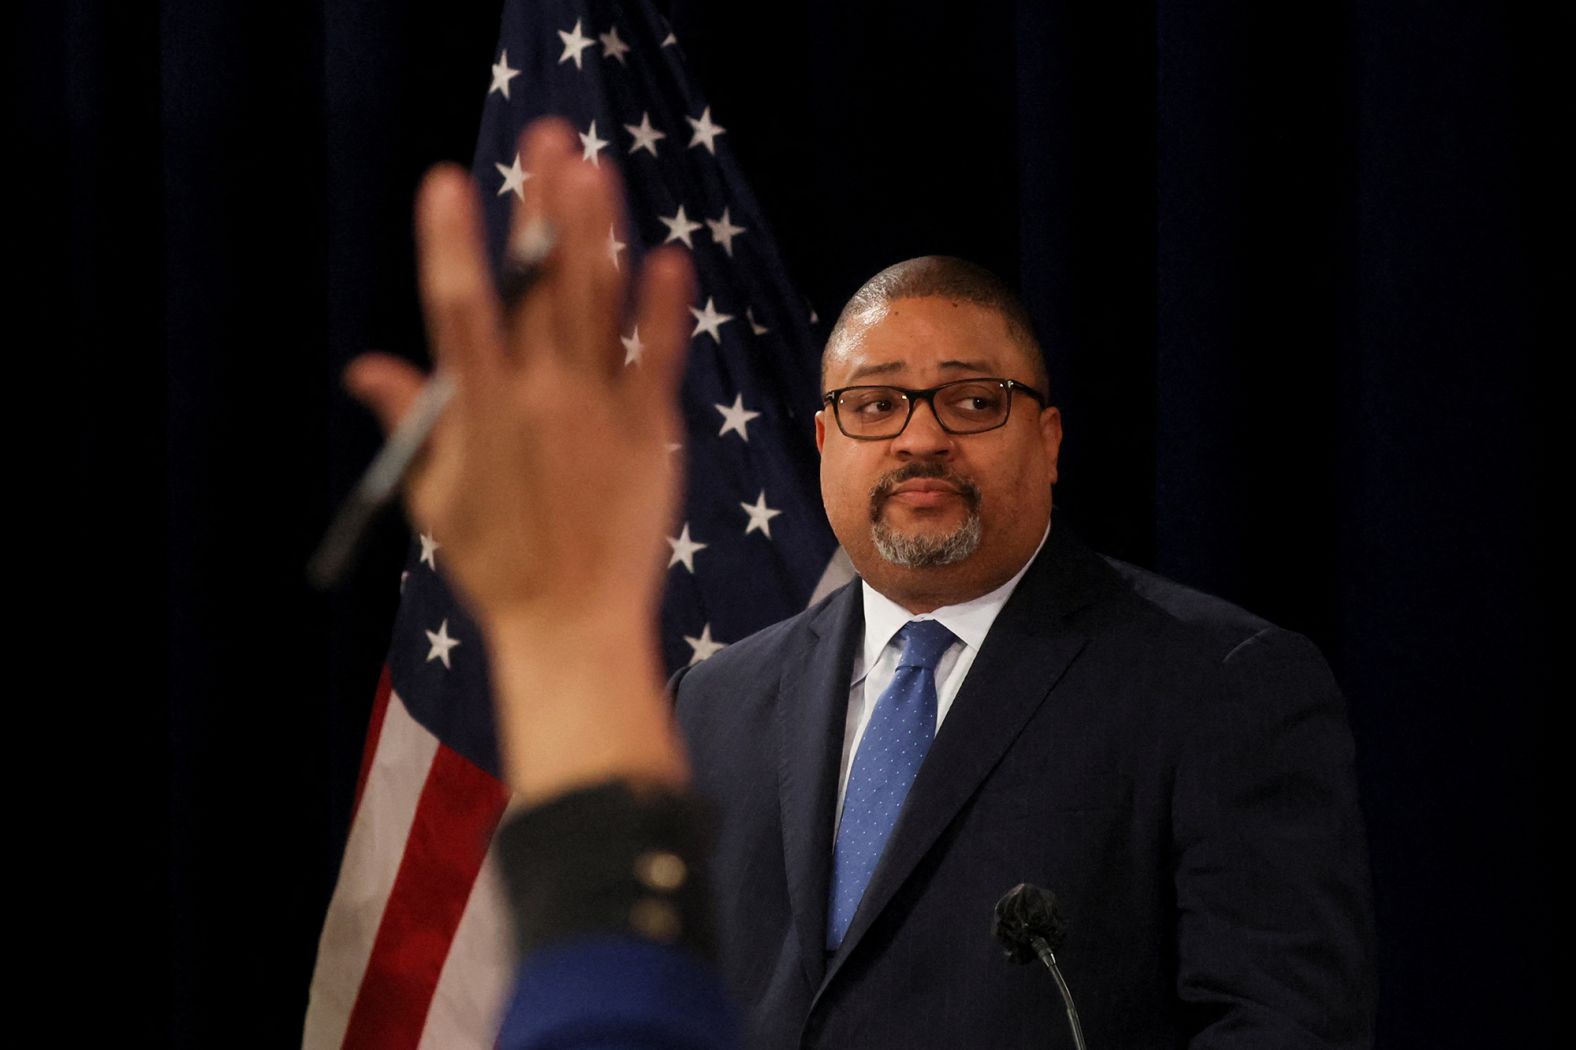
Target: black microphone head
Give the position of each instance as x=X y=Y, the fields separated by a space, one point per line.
x=1023 y=912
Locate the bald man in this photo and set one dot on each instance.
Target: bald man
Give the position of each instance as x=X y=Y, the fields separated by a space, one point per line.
x=990 y=703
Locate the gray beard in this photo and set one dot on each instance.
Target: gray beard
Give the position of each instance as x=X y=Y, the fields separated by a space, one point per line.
x=917 y=552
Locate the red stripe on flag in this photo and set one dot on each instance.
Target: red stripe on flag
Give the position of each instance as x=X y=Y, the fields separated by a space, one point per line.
x=380 y=707
x=459 y=809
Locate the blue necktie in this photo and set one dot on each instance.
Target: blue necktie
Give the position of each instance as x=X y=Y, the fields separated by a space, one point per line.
x=895 y=742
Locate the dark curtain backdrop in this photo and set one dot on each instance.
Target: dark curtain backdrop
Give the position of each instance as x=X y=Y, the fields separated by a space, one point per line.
x=1300 y=269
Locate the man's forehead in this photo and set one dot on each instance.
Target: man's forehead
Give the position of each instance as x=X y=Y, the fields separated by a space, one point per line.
x=874 y=369
x=947 y=335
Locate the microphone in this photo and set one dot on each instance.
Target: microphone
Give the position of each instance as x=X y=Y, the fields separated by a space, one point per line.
x=1029 y=924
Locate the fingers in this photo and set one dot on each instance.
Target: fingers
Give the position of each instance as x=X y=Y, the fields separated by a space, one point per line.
x=546 y=147
x=666 y=290
x=386 y=385
x=571 y=316
x=458 y=301
x=573 y=312
x=582 y=205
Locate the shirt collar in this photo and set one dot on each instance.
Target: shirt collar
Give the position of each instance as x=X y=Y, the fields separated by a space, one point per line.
x=971 y=620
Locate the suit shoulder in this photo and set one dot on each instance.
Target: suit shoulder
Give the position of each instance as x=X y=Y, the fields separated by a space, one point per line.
x=1212 y=627
x=1260 y=674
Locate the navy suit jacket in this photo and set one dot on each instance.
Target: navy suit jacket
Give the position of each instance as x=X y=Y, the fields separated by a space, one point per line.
x=1178 y=772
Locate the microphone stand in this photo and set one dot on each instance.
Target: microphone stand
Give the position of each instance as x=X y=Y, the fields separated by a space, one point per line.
x=1048 y=957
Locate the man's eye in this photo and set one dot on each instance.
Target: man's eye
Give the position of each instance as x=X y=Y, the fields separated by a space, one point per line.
x=975 y=402
x=874 y=407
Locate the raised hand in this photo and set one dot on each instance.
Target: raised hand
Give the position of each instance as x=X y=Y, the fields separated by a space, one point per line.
x=548 y=481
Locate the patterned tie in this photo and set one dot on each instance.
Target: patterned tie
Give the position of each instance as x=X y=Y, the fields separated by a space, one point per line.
x=900 y=731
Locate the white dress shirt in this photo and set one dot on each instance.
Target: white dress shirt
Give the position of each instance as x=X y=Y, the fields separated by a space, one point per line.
x=875 y=662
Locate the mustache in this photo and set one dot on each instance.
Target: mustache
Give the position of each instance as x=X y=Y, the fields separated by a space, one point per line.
x=881 y=491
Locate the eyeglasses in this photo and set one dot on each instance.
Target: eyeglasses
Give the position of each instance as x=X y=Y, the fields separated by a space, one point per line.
x=964 y=406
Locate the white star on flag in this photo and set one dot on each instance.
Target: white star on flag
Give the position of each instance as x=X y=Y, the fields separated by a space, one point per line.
x=703 y=647
x=574 y=43
x=709 y=320
x=706 y=132
x=756 y=328
x=514 y=178
x=684 y=549
x=591 y=145
x=441 y=644
x=760 y=515
x=429 y=550
x=633 y=347
x=645 y=135
x=614 y=245
x=735 y=417
x=502 y=74
x=723 y=231
x=679 y=228
x=613 y=47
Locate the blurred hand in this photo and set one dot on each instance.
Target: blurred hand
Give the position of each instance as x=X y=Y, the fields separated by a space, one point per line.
x=548 y=482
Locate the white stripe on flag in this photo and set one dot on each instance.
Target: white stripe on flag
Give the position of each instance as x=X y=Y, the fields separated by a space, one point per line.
x=401 y=759
x=467 y=1005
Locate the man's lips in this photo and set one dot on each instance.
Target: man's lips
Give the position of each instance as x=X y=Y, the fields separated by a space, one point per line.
x=925 y=492
x=922 y=487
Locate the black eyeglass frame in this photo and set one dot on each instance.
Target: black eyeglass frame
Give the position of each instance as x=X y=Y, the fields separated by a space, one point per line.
x=914 y=397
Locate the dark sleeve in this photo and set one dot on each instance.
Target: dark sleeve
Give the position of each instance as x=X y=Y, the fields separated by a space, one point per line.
x=608 y=892
x=676 y=681
x=1275 y=915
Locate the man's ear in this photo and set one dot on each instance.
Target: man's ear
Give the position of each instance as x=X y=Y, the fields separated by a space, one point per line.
x=1051 y=435
x=820 y=429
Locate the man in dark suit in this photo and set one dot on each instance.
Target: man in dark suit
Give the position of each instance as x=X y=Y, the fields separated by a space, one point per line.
x=1178 y=772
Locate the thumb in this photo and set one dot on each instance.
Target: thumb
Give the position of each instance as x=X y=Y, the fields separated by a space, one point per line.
x=385 y=384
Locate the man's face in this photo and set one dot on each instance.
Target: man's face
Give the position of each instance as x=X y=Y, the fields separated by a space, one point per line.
x=907 y=508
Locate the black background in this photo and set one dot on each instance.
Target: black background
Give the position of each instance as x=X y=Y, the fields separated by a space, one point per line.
x=1302 y=272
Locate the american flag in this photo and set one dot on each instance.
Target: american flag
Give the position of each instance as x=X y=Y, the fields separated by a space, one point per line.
x=415 y=949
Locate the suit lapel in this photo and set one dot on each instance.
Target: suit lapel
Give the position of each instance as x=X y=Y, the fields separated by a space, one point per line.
x=812 y=709
x=1028 y=648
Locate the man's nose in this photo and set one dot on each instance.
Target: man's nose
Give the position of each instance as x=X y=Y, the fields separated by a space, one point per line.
x=923 y=437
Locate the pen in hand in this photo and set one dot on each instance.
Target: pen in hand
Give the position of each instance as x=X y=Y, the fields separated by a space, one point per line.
x=524 y=263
